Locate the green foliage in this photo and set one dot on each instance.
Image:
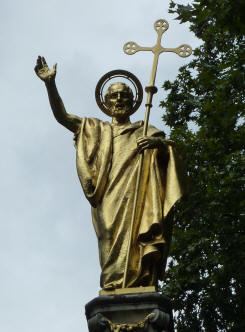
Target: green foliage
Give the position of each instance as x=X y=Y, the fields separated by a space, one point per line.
x=205 y=110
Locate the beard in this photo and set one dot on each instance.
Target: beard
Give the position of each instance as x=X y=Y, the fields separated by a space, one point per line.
x=121 y=109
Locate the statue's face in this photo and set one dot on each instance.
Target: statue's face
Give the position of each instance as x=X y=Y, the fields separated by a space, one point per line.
x=119 y=100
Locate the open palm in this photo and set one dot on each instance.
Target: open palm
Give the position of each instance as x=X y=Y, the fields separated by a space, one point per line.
x=42 y=70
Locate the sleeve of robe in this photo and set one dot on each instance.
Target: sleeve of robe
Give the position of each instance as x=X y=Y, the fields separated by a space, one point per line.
x=93 y=160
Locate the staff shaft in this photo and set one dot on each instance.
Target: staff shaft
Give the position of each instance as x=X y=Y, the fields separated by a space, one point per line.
x=151 y=89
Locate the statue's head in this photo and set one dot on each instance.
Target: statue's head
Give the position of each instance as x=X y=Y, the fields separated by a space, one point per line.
x=119 y=100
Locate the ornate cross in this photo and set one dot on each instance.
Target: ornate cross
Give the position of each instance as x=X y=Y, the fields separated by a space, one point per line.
x=160 y=26
x=131 y=48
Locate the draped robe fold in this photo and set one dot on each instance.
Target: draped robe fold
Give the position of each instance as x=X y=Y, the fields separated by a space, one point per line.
x=107 y=163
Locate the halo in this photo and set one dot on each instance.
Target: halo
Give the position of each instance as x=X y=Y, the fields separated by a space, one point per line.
x=111 y=75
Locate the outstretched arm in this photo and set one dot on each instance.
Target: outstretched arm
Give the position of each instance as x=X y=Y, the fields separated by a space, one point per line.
x=69 y=121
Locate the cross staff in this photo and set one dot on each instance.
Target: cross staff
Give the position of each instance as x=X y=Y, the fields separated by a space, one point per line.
x=131 y=48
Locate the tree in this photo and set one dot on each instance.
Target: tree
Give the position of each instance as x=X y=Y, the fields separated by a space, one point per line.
x=205 y=110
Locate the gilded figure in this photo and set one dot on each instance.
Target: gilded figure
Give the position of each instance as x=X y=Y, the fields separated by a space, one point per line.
x=107 y=162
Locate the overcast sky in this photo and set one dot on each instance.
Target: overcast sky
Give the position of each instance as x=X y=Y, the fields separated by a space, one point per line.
x=49 y=258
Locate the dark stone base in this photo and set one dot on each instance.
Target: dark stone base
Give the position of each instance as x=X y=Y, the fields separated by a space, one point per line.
x=139 y=312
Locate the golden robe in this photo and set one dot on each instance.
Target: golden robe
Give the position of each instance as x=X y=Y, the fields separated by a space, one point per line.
x=107 y=163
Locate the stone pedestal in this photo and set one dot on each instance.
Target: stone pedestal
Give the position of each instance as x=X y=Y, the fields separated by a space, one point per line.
x=139 y=312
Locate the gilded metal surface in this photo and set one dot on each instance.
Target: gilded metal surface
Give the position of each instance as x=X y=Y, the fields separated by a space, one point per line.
x=130 y=327
x=99 y=95
x=132 y=290
x=160 y=26
x=109 y=157
x=107 y=164
x=131 y=48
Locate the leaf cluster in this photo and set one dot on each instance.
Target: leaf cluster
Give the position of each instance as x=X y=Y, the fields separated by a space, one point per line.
x=205 y=110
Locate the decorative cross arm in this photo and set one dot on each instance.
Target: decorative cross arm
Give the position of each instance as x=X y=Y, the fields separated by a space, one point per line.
x=131 y=48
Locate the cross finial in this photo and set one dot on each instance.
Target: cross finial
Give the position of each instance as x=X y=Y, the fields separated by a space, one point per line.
x=160 y=26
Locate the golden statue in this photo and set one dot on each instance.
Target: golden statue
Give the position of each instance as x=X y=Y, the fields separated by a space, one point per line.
x=130 y=209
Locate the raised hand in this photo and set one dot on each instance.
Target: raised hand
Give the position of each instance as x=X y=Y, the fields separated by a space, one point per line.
x=43 y=72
